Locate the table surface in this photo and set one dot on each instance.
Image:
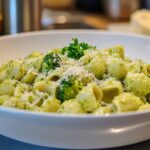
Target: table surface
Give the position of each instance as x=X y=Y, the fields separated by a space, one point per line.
x=9 y=144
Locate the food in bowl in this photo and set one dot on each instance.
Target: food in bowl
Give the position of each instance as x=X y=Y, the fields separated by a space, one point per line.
x=76 y=79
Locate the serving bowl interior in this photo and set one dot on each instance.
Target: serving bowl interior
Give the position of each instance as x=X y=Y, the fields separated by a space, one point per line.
x=74 y=131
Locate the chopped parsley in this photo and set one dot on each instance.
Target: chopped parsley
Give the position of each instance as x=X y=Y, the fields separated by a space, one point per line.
x=75 y=49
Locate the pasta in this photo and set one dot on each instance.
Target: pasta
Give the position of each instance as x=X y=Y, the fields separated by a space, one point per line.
x=76 y=79
x=89 y=97
x=111 y=88
x=137 y=83
x=71 y=106
x=116 y=67
x=127 y=102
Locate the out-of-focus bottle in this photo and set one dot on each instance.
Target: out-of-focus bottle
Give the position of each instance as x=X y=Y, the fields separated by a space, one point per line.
x=20 y=16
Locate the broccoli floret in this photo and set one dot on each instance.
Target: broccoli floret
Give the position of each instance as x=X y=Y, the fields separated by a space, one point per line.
x=68 y=88
x=75 y=49
x=50 y=62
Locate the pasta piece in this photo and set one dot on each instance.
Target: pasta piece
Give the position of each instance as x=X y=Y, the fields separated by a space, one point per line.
x=20 y=104
x=33 y=99
x=11 y=102
x=137 y=67
x=29 y=97
x=117 y=51
x=103 y=110
x=4 y=98
x=29 y=77
x=116 y=67
x=97 y=67
x=40 y=86
x=137 y=83
x=34 y=55
x=94 y=63
x=15 y=70
x=144 y=107
x=88 y=56
x=35 y=108
x=89 y=97
x=33 y=63
x=3 y=72
x=21 y=88
x=54 y=75
x=110 y=89
x=51 y=87
x=71 y=106
x=3 y=66
x=40 y=83
x=3 y=75
x=50 y=105
x=127 y=102
x=7 y=87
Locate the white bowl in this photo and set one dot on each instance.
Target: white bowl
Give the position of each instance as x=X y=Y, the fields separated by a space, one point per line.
x=73 y=131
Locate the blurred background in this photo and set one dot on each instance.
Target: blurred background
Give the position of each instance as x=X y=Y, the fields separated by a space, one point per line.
x=116 y=15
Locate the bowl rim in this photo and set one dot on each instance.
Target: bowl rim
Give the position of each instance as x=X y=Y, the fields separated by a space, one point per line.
x=73 y=31
x=21 y=112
